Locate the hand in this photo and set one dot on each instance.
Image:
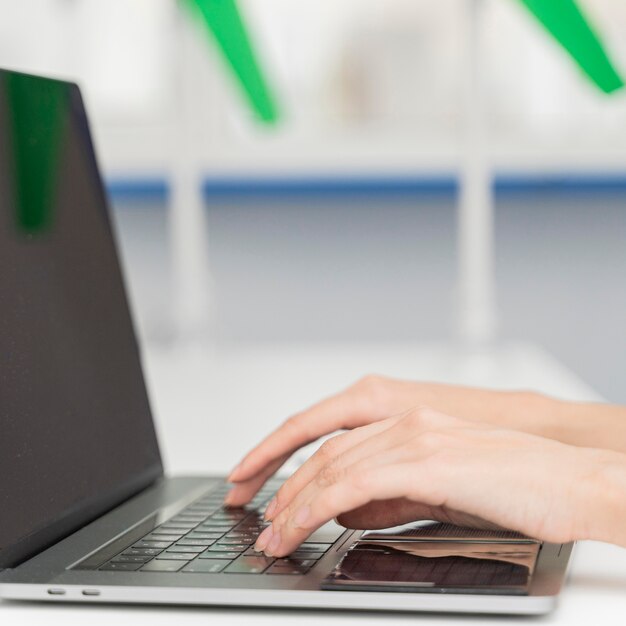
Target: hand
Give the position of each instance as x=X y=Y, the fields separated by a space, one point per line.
x=427 y=465
x=375 y=398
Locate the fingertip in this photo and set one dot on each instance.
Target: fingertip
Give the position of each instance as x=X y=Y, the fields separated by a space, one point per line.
x=235 y=474
x=245 y=471
x=273 y=546
x=235 y=499
x=270 y=510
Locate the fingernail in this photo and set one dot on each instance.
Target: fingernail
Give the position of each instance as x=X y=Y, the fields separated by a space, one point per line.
x=263 y=539
x=233 y=475
x=273 y=545
x=228 y=498
x=271 y=508
x=301 y=516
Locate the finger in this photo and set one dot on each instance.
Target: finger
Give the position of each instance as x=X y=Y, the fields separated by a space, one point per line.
x=329 y=452
x=328 y=476
x=244 y=491
x=344 y=410
x=403 y=471
x=358 y=487
x=428 y=434
x=387 y=513
x=346 y=450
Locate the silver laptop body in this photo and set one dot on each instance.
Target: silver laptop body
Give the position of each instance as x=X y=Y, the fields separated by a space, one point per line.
x=86 y=513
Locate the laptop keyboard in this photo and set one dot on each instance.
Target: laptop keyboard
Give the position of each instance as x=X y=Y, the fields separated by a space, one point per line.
x=208 y=538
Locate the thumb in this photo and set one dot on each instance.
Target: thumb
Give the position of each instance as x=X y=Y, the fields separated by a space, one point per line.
x=399 y=511
x=386 y=513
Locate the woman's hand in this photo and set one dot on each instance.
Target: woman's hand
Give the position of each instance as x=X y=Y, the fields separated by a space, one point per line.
x=375 y=398
x=427 y=465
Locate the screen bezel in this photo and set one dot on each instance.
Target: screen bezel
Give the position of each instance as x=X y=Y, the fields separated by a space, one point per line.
x=93 y=507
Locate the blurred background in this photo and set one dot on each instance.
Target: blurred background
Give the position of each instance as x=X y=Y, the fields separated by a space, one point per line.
x=338 y=224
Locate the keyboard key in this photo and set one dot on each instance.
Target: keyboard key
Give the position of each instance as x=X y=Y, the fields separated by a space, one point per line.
x=205 y=566
x=249 y=565
x=162 y=566
x=300 y=558
x=130 y=558
x=203 y=543
x=221 y=545
x=248 y=541
x=121 y=567
x=158 y=537
x=177 y=527
x=230 y=556
x=306 y=555
x=159 y=532
x=288 y=570
x=192 y=549
x=224 y=541
x=228 y=516
x=143 y=551
x=244 y=536
x=314 y=547
x=190 y=524
x=176 y=556
x=199 y=535
x=214 y=528
x=210 y=530
x=295 y=562
x=252 y=528
x=153 y=544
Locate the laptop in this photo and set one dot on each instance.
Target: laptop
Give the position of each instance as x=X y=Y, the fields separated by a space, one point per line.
x=87 y=513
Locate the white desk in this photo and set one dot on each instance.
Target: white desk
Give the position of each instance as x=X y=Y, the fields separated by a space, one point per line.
x=211 y=405
x=230 y=398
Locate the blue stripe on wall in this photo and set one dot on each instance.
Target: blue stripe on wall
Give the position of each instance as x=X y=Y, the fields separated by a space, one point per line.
x=323 y=186
x=138 y=188
x=223 y=187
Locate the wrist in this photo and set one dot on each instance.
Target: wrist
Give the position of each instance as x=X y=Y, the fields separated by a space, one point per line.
x=605 y=499
x=588 y=425
x=568 y=422
x=537 y=414
x=559 y=419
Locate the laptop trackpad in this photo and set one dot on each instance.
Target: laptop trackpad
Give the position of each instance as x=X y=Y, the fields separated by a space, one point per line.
x=436 y=566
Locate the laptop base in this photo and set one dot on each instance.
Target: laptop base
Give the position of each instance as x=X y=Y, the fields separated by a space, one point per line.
x=54 y=574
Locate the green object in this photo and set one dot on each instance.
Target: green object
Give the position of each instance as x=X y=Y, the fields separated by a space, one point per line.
x=35 y=116
x=224 y=20
x=567 y=24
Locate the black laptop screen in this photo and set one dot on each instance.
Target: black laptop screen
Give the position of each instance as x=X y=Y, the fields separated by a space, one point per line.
x=76 y=433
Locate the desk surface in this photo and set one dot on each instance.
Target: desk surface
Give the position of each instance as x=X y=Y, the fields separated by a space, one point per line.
x=209 y=393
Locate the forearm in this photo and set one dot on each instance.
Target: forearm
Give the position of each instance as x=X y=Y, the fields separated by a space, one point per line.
x=593 y=425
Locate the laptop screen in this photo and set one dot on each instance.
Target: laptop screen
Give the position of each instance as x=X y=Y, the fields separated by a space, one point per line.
x=76 y=433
